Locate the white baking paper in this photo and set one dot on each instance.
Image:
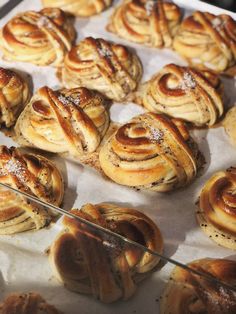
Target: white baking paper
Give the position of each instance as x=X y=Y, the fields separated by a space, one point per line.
x=23 y=264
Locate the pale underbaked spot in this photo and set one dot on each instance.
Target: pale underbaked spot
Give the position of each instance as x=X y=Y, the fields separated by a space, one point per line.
x=221 y=237
x=229 y=125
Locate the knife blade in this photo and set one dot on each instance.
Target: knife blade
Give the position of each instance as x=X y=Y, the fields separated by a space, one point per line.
x=118 y=236
x=7 y=7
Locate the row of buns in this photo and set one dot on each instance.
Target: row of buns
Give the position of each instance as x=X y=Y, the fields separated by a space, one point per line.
x=46 y=37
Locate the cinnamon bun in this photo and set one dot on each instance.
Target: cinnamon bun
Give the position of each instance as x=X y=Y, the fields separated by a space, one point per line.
x=151 y=152
x=65 y=121
x=14 y=94
x=208 y=41
x=42 y=38
x=217 y=208
x=149 y=22
x=90 y=262
x=32 y=174
x=98 y=64
x=26 y=303
x=185 y=93
x=187 y=292
x=79 y=7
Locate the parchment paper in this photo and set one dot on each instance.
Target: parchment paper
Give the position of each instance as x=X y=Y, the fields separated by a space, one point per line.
x=23 y=264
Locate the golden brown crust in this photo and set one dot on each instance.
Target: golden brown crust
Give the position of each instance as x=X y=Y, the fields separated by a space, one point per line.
x=208 y=41
x=41 y=38
x=26 y=303
x=217 y=213
x=14 y=94
x=185 y=93
x=79 y=7
x=98 y=64
x=66 y=121
x=189 y=293
x=34 y=175
x=87 y=261
x=150 y=152
x=146 y=22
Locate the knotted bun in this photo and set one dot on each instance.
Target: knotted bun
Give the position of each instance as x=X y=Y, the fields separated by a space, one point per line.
x=32 y=174
x=150 y=152
x=217 y=208
x=98 y=64
x=90 y=262
x=41 y=38
x=146 y=22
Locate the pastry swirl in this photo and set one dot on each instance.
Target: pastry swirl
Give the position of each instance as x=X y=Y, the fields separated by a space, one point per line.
x=93 y=263
x=79 y=7
x=208 y=41
x=98 y=64
x=41 y=38
x=185 y=93
x=150 y=152
x=65 y=121
x=189 y=293
x=34 y=175
x=148 y=22
x=14 y=94
x=217 y=213
x=26 y=303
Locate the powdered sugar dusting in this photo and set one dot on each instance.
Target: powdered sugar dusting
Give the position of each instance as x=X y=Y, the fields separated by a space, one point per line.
x=149 y=5
x=67 y=100
x=156 y=135
x=217 y=23
x=188 y=81
x=44 y=21
x=105 y=52
x=15 y=167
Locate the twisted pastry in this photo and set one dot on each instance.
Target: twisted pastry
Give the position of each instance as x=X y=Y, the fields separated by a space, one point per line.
x=79 y=7
x=72 y=121
x=149 y=22
x=97 y=64
x=41 y=38
x=96 y=263
x=14 y=94
x=26 y=303
x=34 y=175
x=217 y=213
x=229 y=125
x=150 y=152
x=185 y=93
x=189 y=293
x=208 y=41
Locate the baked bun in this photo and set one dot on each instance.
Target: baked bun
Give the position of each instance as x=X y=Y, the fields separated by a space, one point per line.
x=41 y=38
x=98 y=64
x=14 y=94
x=146 y=22
x=26 y=303
x=229 y=123
x=65 y=121
x=90 y=262
x=34 y=175
x=79 y=7
x=189 y=293
x=185 y=93
x=150 y=152
x=208 y=41
x=217 y=208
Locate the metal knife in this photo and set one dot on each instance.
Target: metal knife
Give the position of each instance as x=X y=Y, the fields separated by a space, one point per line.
x=8 y=6
x=118 y=237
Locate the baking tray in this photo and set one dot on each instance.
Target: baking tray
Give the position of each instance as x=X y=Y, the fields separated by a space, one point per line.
x=174 y=212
